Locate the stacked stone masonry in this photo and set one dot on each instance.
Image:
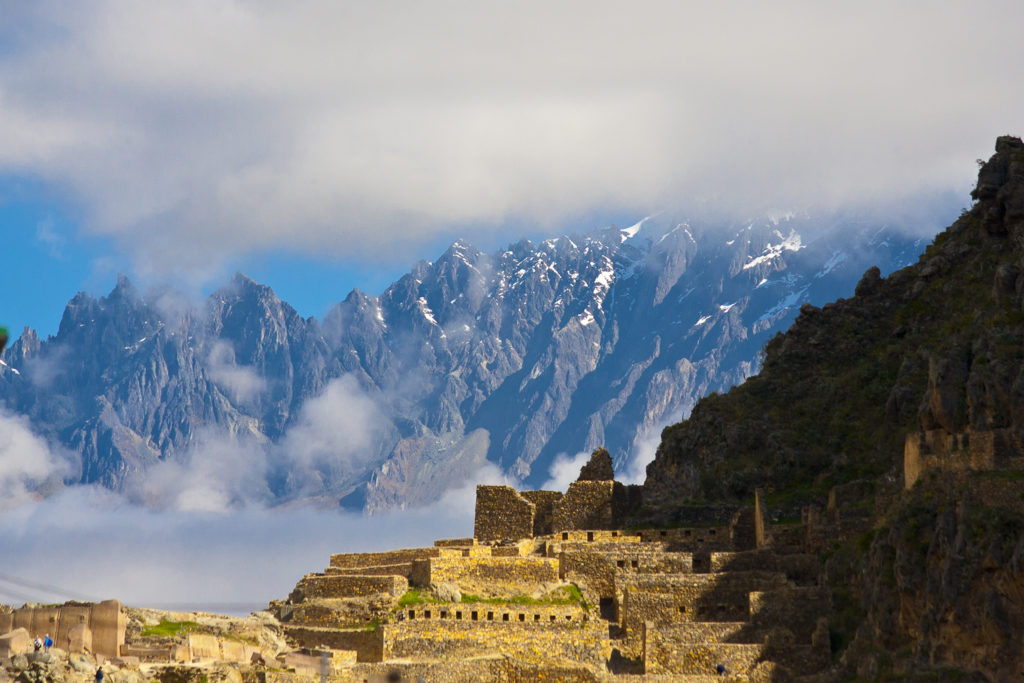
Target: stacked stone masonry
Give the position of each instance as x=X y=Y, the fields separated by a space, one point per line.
x=667 y=603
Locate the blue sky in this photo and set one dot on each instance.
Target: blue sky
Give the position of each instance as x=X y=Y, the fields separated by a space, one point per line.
x=323 y=146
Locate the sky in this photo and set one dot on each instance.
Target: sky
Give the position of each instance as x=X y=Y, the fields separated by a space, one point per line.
x=321 y=145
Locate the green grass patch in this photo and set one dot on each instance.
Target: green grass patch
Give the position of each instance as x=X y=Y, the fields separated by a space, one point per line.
x=170 y=629
x=416 y=597
x=564 y=595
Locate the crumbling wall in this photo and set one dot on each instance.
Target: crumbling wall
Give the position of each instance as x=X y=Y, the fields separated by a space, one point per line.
x=501 y=513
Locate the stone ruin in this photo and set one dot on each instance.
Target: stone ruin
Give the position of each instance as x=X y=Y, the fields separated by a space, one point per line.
x=552 y=586
x=594 y=501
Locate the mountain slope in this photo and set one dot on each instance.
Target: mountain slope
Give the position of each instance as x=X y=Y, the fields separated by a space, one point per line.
x=513 y=357
x=913 y=389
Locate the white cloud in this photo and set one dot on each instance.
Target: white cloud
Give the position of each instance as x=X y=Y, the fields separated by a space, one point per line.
x=337 y=432
x=27 y=464
x=220 y=472
x=564 y=470
x=88 y=543
x=196 y=131
x=243 y=384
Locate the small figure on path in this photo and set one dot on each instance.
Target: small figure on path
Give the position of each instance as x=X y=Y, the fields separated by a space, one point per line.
x=37 y=644
x=720 y=669
x=48 y=643
x=99 y=674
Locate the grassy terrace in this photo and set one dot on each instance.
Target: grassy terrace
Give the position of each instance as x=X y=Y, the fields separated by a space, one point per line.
x=564 y=595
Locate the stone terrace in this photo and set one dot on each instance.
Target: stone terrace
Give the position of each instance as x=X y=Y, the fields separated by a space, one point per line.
x=574 y=603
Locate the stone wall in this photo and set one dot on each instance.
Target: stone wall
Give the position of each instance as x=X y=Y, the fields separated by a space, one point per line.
x=598 y=568
x=526 y=643
x=401 y=569
x=204 y=646
x=488 y=576
x=589 y=505
x=501 y=513
x=596 y=536
x=487 y=614
x=368 y=645
x=345 y=586
x=74 y=626
x=968 y=450
x=797 y=609
x=351 y=560
x=544 y=503
x=663 y=653
x=687 y=598
x=802 y=569
x=690 y=539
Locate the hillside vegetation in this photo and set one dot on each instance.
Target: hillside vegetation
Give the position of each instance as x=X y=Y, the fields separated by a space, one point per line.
x=931 y=585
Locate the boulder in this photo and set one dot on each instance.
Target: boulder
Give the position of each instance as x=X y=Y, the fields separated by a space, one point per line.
x=447 y=592
x=16 y=642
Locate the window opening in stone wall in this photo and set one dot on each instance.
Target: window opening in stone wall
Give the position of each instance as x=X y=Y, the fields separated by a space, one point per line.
x=444 y=614
x=635 y=564
x=607 y=608
x=504 y=617
x=685 y=533
x=552 y=617
x=565 y=535
x=590 y=536
x=522 y=617
x=621 y=563
x=412 y=614
x=614 y=534
x=490 y=616
x=474 y=616
x=682 y=609
x=426 y=614
x=568 y=617
x=711 y=532
x=664 y=533
x=458 y=615
x=536 y=617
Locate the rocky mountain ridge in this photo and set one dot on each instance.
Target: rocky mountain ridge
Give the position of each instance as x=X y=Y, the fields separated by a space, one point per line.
x=513 y=357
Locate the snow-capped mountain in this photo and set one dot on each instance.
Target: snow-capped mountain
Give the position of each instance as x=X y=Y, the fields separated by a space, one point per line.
x=513 y=357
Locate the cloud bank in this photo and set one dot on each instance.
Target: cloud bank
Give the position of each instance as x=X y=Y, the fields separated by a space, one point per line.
x=193 y=131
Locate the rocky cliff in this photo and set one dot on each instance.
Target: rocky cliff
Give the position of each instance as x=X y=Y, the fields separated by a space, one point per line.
x=913 y=387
